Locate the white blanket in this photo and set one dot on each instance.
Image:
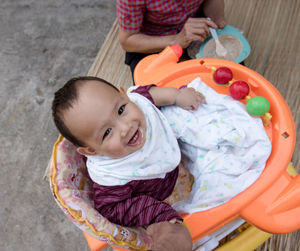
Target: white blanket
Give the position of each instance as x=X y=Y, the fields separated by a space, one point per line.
x=223 y=146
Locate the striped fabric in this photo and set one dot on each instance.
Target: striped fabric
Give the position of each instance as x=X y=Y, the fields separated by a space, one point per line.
x=155 y=17
x=137 y=203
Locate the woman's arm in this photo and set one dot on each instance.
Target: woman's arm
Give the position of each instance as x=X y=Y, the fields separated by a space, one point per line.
x=138 y=42
x=195 y=29
x=215 y=10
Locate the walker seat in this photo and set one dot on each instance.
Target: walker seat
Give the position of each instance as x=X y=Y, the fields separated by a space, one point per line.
x=272 y=203
x=72 y=190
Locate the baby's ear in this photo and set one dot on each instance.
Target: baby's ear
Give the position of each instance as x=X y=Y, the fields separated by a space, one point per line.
x=122 y=90
x=86 y=151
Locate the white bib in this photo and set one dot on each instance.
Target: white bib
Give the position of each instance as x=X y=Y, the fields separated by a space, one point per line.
x=159 y=155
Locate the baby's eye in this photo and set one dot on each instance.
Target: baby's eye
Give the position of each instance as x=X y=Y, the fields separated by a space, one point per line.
x=121 y=109
x=106 y=133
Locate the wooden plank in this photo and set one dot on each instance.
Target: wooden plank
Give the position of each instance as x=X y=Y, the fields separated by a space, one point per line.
x=109 y=63
x=272 y=28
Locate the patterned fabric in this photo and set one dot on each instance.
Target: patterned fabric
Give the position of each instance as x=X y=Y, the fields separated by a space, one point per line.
x=138 y=203
x=155 y=17
x=73 y=192
x=223 y=146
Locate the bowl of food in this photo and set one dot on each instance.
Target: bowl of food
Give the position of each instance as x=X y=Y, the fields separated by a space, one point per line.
x=237 y=46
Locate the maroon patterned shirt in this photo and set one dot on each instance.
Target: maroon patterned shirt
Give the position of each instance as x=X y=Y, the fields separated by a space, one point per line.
x=139 y=202
x=155 y=17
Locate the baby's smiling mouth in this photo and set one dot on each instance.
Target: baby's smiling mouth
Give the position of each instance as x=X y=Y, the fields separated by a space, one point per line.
x=136 y=138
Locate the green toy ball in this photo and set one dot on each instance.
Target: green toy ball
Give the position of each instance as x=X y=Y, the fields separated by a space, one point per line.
x=258 y=106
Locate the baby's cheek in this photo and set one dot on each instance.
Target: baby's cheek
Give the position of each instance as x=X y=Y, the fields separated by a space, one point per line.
x=117 y=149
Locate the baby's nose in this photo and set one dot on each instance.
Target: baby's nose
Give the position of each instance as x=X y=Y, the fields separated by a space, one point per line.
x=125 y=127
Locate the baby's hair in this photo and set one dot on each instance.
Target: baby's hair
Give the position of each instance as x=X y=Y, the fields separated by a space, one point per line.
x=64 y=99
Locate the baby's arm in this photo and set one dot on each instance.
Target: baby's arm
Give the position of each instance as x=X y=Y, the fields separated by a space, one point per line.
x=186 y=98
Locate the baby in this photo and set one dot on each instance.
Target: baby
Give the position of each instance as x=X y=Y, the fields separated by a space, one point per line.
x=107 y=127
x=132 y=140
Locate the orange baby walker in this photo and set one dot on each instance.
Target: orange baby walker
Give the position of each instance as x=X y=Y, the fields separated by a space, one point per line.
x=271 y=203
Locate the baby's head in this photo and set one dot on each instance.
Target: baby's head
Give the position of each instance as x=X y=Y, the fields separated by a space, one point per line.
x=98 y=118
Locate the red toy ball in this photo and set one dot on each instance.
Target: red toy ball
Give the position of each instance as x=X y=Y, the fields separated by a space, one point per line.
x=239 y=90
x=222 y=75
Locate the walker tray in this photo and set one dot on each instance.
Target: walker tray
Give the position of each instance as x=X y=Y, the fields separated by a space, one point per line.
x=272 y=203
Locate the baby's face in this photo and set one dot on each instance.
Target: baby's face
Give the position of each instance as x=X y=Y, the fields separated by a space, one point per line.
x=106 y=121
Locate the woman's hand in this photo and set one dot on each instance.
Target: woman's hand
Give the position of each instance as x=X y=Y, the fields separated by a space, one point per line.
x=194 y=29
x=189 y=98
x=169 y=237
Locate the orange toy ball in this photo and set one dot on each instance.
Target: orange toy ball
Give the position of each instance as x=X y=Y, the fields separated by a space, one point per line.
x=177 y=49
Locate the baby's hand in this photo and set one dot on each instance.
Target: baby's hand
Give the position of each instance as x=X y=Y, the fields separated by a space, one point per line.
x=189 y=98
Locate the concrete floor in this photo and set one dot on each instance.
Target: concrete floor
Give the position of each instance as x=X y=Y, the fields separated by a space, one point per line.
x=42 y=44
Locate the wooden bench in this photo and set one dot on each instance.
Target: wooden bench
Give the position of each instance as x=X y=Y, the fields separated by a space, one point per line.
x=109 y=63
x=272 y=29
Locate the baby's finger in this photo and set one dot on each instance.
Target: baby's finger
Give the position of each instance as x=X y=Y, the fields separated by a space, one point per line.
x=195 y=104
x=201 y=98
